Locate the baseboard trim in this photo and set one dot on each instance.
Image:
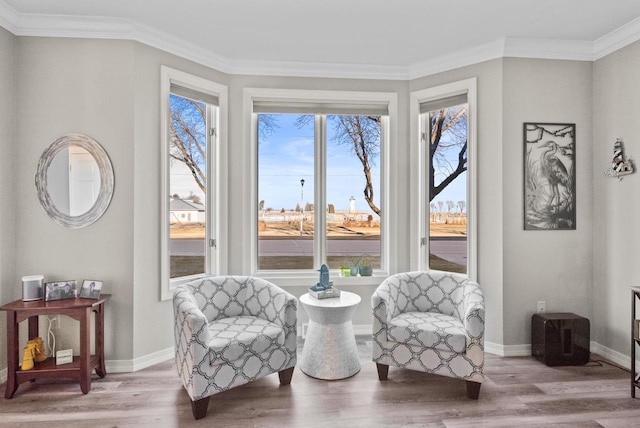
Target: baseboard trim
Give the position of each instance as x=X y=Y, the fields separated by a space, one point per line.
x=612 y=355
x=363 y=330
x=129 y=366
x=507 y=350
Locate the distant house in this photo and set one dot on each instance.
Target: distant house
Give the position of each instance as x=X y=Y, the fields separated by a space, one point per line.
x=183 y=211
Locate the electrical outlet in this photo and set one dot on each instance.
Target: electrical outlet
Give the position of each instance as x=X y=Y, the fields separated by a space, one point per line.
x=542 y=306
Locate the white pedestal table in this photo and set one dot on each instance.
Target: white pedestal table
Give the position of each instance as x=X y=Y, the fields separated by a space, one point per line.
x=330 y=350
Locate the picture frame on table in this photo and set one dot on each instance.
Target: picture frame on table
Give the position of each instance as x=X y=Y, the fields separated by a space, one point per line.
x=60 y=290
x=91 y=289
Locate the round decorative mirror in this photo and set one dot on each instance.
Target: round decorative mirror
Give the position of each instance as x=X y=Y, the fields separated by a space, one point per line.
x=74 y=181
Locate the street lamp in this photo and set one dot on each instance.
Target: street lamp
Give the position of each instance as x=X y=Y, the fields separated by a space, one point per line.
x=301 y=204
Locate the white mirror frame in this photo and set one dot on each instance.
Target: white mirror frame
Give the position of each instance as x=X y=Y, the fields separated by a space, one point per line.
x=106 y=181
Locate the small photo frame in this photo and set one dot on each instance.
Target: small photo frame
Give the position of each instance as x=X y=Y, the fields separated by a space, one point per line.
x=91 y=289
x=60 y=290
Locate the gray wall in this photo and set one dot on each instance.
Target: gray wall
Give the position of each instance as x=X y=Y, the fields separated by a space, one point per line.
x=9 y=288
x=616 y=204
x=110 y=90
x=84 y=86
x=552 y=266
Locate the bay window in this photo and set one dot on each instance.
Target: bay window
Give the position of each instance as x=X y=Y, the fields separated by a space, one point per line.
x=320 y=182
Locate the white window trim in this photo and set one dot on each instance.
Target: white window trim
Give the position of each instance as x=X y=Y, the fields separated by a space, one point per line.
x=418 y=218
x=388 y=199
x=216 y=161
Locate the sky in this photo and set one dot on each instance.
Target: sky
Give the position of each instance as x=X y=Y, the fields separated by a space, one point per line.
x=286 y=155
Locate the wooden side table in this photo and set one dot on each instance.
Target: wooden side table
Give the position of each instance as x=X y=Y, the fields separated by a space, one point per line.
x=80 y=369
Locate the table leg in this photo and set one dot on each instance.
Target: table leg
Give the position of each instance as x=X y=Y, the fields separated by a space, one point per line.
x=33 y=327
x=12 y=354
x=85 y=352
x=99 y=341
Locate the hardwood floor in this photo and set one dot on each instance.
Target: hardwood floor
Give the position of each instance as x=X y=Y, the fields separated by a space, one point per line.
x=516 y=392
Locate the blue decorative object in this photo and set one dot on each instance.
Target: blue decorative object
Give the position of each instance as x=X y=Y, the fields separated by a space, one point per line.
x=324 y=283
x=324 y=289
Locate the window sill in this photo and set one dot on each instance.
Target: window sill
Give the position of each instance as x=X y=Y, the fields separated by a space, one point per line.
x=310 y=278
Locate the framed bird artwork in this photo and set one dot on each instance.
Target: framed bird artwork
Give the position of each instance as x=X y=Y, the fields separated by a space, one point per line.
x=549 y=176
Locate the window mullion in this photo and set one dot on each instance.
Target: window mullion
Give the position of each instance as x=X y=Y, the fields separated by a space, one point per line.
x=211 y=203
x=425 y=127
x=320 y=200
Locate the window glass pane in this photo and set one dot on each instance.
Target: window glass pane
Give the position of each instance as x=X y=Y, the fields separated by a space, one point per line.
x=353 y=192
x=447 y=134
x=285 y=191
x=187 y=186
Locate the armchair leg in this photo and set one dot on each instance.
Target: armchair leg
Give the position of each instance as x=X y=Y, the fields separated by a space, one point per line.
x=285 y=376
x=383 y=371
x=199 y=407
x=473 y=389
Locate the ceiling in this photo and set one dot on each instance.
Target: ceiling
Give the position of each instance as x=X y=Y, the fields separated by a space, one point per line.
x=368 y=38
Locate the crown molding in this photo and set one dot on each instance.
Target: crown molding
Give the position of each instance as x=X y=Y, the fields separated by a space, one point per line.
x=457 y=59
x=8 y=17
x=617 y=39
x=321 y=70
x=574 y=50
x=22 y=24
x=176 y=46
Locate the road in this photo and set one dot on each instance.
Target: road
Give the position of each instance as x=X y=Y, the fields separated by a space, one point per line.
x=451 y=249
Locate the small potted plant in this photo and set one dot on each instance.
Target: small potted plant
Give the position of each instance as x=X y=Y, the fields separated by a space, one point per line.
x=365 y=267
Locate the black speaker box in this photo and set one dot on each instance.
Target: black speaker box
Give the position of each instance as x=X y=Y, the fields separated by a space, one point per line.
x=560 y=339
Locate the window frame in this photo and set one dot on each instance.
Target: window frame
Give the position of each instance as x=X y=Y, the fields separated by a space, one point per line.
x=304 y=277
x=420 y=178
x=216 y=257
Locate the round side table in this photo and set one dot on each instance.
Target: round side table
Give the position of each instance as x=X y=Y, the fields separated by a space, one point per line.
x=330 y=350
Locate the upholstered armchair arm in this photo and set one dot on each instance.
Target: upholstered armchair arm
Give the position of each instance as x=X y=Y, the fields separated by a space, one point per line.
x=380 y=305
x=473 y=317
x=191 y=338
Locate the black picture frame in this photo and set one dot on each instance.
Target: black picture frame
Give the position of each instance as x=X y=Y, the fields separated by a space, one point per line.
x=549 y=176
x=91 y=289
x=60 y=290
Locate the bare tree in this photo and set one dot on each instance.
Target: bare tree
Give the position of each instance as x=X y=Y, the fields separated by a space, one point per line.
x=261 y=205
x=461 y=205
x=444 y=168
x=440 y=205
x=187 y=137
x=450 y=205
x=267 y=123
x=363 y=134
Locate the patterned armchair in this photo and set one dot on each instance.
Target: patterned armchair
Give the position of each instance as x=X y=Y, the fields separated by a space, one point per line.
x=230 y=330
x=431 y=322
